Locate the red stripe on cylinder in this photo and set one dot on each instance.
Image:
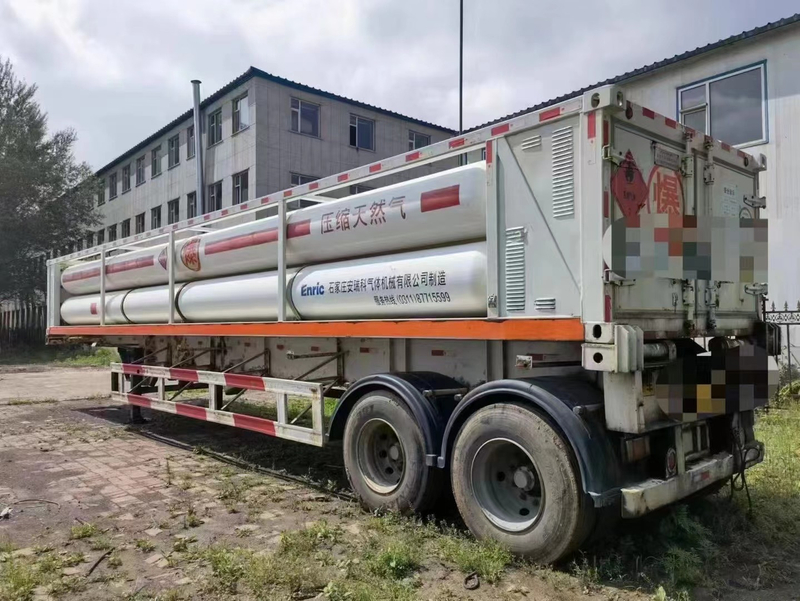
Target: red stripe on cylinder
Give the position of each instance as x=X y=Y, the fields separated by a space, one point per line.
x=550 y=114
x=374 y=168
x=500 y=129
x=301 y=228
x=591 y=125
x=93 y=308
x=243 y=381
x=648 y=113
x=413 y=156
x=256 y=424
x=190 y=411
x=456 y=143
x=184 y=375
x=343 y=177
x=439 y=199
x=131 y=264
x=244 y=241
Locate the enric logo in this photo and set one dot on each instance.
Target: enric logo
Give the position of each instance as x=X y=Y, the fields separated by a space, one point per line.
x=315 y=290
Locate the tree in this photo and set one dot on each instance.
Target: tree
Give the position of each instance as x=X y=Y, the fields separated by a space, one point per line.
x=47 y=198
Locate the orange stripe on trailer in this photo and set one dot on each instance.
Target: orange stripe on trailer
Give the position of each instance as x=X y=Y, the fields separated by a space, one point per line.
x=439 y=199
x=453 y=329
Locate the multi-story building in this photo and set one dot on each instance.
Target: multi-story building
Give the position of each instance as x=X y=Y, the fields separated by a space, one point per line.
x=261 y=133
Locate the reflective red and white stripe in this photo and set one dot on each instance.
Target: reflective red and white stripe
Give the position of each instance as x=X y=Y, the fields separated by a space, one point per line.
x=235 y=420
x=311 y=390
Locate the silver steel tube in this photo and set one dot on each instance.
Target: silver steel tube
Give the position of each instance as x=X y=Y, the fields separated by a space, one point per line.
x=171 y=268
x=282 y=260
x=102 y=287
x=198 y=149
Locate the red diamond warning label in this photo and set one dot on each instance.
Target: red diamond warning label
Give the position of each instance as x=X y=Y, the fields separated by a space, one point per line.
x=628 y=187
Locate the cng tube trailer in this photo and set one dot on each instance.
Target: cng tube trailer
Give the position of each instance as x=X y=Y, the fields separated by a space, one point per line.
x=567 y=329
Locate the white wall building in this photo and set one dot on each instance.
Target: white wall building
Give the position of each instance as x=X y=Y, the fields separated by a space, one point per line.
x=261 y=133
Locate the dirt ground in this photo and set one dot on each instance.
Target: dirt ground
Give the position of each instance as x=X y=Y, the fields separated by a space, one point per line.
x=116 y=515
x=102 y=509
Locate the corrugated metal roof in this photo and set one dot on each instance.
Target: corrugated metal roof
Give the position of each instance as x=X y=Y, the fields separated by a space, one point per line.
x=647 y=69
x=243 y=78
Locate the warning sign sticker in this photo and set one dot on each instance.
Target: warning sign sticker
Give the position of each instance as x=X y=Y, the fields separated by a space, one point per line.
x=628 y=187
x=665 y=191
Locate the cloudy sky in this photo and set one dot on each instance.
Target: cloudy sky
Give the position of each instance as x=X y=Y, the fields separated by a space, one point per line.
x=118 y=70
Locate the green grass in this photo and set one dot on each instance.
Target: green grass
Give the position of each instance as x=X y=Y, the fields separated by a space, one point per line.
x=710 y=542
x=67 y=356
x=145 y=545
x=487 y=558
x=83 y=531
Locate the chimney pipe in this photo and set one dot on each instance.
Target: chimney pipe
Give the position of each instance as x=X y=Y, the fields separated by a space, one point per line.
x=198 y=149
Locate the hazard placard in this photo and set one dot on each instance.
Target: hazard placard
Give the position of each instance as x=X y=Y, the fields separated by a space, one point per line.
x=628 y=186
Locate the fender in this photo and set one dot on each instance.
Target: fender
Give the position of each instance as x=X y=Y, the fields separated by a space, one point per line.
x=431 y=412
x=571 y=406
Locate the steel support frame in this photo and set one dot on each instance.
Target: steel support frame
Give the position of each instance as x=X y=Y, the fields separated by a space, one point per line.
x=281 y=388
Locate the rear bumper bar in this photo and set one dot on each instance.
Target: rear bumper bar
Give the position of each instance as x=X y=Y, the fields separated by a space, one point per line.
x=651 y=494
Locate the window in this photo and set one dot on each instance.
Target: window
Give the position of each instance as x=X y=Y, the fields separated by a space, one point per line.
x=101 y=236
x=90 y=240
x=215 y=127
x=112 y=186
x=125 y=226
x=191 y=205
x=214 y=197
x=731 y=107
x=240 y=191
x=241 y=114
x=140 y=170
x=358 y=189
x=112 y=232
x=174 y=151
x=155 y=218
x=140 y=223
x=155 y=161
x=100 y=198
x=190 y=142
x=417 y=140
x=305 y=117
x=362 y=132
x=299 y=180
x=126 y=178
x=173 y=211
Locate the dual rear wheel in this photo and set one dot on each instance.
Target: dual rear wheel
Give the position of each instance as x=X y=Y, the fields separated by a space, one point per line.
x=513 y=476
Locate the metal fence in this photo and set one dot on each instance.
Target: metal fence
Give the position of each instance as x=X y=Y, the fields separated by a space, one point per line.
x=22 y=324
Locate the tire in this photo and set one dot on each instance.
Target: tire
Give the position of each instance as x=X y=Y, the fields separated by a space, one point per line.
x=515 y=481
x=378 y=421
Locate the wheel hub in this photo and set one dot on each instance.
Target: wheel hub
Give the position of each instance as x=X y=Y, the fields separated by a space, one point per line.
x=524 y=478
x=381 y=459
x=506 y=485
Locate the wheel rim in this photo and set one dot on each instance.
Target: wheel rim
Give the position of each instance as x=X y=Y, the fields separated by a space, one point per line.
x=381 y=457
x=507 y=485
